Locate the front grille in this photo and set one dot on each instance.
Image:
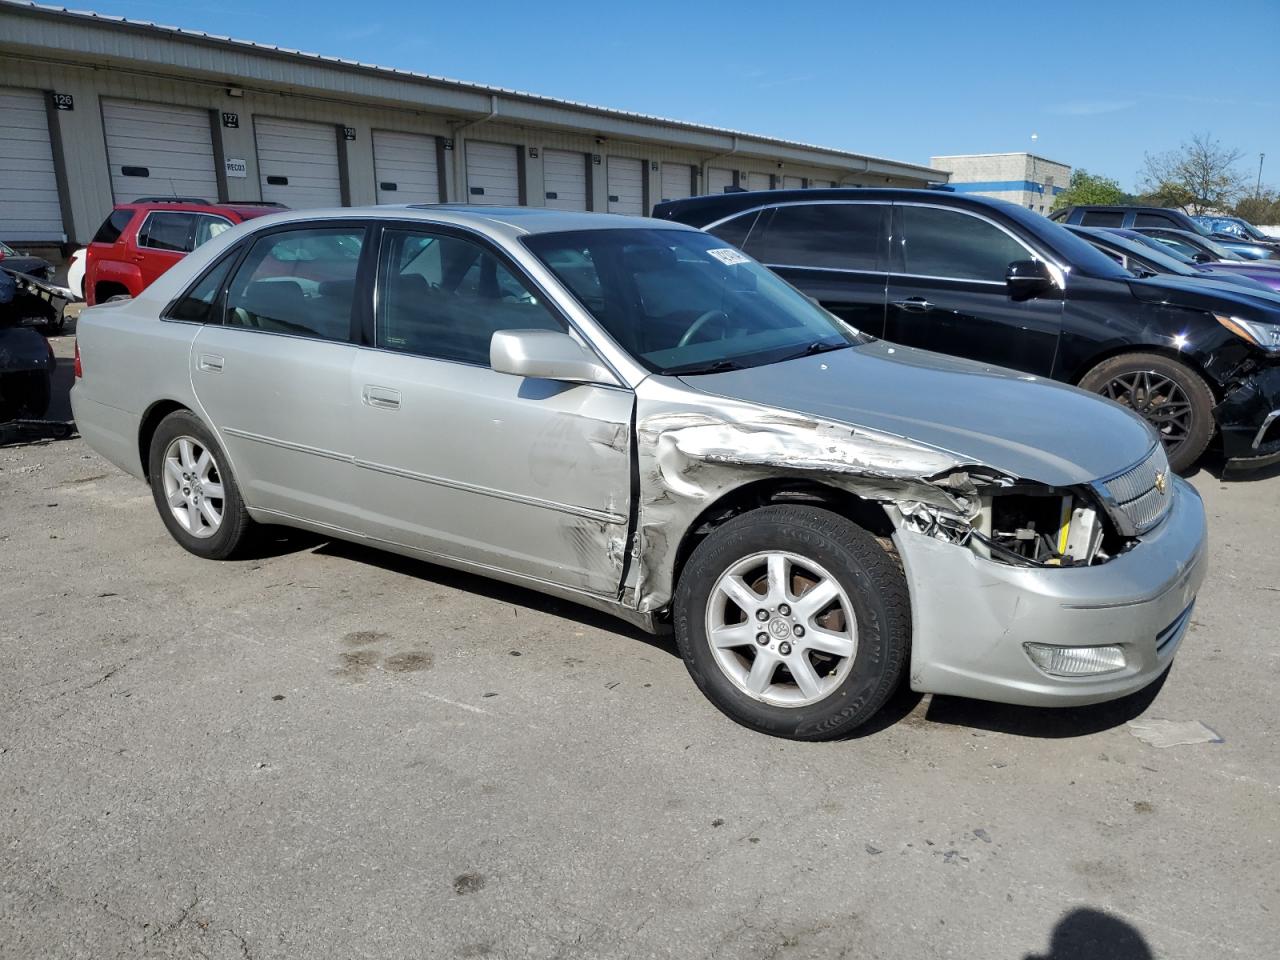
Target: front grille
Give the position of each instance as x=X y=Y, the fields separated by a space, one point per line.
x=1137 y=492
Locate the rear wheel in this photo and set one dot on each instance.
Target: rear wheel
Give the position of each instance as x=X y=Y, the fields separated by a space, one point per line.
x=1169 y=395
x=25 y=395
x=794 y=621
x=194 y=490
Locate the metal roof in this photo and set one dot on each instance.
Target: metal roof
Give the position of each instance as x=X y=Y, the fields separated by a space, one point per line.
x=88 y=17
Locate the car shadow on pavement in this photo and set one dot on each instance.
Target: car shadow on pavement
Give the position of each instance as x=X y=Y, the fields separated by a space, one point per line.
x=494 y=590
x=1088 y=934
x=1043 y=723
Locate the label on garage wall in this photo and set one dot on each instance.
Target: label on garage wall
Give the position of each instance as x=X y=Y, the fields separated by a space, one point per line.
x=237 y=168
x=729 y=256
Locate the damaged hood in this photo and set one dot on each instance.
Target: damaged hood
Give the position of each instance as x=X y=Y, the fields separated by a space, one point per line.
x=1023 y=426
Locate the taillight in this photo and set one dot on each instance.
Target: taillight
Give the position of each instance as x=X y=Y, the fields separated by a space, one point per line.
x=79 y=371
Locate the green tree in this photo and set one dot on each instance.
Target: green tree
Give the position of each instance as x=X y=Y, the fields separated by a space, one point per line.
x=1202 y=173
x=1264 y=208
x=1089 y=188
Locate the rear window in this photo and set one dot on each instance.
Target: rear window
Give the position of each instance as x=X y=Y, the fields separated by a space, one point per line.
x=841 y=236
x=735 y=231
x=113 y=226
x=1102 y=218
x=167 y=231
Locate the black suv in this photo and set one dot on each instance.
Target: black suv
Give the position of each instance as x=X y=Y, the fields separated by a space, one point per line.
x=1127 y=217
x=996 y=283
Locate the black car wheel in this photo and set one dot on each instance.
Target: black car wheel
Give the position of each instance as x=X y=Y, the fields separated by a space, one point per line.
x=25 y=395
x=1169 y=395
x=794 y=621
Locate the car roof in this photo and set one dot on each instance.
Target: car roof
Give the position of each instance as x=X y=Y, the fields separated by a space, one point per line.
x=245 y=211
x=710 y=208
x=504 y=222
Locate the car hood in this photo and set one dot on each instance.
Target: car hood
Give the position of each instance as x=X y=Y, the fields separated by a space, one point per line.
x=31 y=265
x=1018 y=424
x=1194 y=294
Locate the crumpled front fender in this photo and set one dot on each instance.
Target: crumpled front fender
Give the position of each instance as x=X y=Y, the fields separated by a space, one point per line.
x=692 y=452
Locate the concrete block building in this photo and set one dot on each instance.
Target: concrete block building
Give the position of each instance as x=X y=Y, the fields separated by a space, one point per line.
x=97 y=109
x=1026 y=179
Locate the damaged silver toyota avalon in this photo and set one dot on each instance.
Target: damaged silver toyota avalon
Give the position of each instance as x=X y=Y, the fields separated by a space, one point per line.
x=634 y=416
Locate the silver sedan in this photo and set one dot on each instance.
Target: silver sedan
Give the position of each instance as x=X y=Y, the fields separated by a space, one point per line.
x=634 y=416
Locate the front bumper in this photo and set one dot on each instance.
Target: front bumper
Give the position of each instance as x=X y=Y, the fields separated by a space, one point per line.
x=1249 y=420
x=971 y=616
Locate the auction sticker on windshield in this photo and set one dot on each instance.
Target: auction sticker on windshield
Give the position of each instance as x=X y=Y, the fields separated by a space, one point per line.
x=729 y=255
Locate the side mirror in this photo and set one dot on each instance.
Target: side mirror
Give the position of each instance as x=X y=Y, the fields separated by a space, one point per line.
x=1202 y=257
x=1027 y=279
x=545 y=355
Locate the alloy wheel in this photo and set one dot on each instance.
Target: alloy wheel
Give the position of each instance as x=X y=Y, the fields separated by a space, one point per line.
x=781 y=628
x=193 y=486
x=1156 y=398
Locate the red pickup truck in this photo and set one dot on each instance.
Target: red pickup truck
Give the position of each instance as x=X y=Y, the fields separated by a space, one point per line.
x=141 y=240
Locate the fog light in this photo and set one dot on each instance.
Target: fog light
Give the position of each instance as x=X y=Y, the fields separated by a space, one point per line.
x=1075 y=661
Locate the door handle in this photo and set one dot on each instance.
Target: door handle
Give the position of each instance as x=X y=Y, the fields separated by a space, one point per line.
x=384 y=398
x=914 y=305
x=210 y=362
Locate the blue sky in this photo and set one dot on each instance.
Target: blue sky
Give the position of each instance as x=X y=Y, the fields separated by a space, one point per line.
x=1100 y=83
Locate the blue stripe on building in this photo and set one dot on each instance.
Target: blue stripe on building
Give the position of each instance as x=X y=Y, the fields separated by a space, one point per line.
x=991 y=186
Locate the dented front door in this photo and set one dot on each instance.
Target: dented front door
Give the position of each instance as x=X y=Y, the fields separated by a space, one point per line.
x=529 y=476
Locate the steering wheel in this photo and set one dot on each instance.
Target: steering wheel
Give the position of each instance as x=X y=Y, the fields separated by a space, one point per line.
x=699 y=323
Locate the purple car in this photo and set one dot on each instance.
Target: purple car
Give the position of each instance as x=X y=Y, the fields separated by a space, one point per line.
x=1265 y=272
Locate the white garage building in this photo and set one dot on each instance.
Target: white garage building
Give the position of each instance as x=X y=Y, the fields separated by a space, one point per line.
x=96 y=110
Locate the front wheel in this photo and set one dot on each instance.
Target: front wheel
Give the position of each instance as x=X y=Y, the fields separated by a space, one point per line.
x=191 y=482
x=794 y=622
x=1169 y=395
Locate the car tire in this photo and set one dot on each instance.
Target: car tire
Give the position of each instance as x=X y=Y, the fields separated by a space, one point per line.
x=25 y=395
x=194 y=489
x=830 y=665
x=1169 y=395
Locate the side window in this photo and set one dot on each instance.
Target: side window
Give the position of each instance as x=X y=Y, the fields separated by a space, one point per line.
x=844 y=236
x=300 y=282
x=953 y=245
x=208 y=227
x=198 y=304
x=1102 y=218
x=1152 y=220
x=735 y=231
x=113 y=226
x=444 y=297
x=167 y=231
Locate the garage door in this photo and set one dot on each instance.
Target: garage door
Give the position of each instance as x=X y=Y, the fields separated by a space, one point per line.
x=298 y=163
x=626 y=186
x=757 y=181
x=157 y=150
x=564 y=176
x=677 y=181
x=404 y=168
x=493 y=173
x=29 y=207
x=718 y=180
x=792 y=183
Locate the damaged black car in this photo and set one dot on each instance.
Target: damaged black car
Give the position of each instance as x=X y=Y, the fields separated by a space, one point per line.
x=993 y=282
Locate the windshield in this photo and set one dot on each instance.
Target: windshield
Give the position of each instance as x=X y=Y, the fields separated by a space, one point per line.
x=1153 y=244
x=7 y=250
x=681 y=302
x=1250 y=230
x=1159 y=259
x=1219 y=251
